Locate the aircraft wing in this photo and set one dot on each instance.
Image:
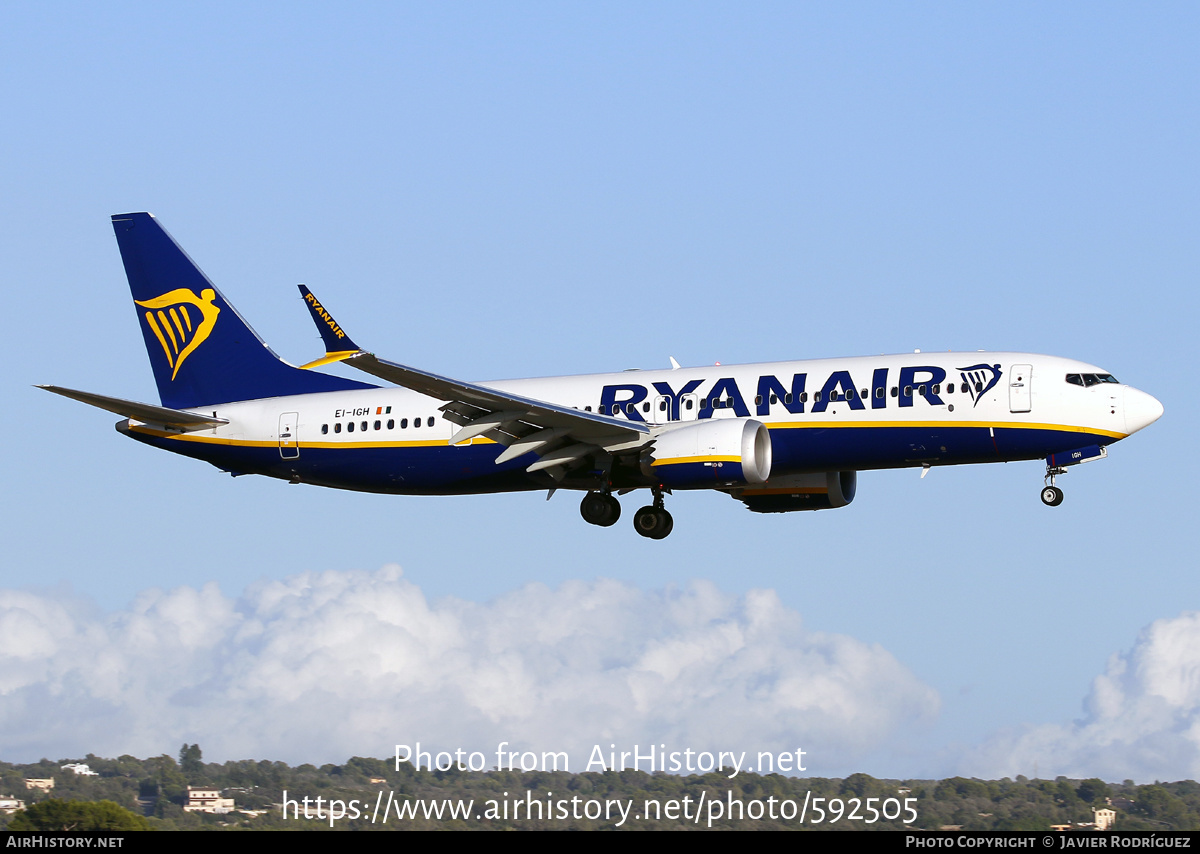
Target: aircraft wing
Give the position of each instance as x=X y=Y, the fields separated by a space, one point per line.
x=560 y=436
x=178 y=418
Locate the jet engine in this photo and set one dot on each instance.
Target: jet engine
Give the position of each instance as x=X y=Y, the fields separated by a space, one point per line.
x=704 y=454
x=819 y=491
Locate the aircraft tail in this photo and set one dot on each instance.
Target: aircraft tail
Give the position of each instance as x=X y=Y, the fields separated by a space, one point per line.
x=200 y=348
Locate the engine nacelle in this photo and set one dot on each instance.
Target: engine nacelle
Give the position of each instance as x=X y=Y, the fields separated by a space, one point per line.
x=786 y=494
x=722 y=451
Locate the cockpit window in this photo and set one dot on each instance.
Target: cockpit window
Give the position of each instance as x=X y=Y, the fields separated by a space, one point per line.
x=1090 y=379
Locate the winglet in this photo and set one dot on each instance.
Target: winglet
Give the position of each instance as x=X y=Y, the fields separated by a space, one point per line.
x=338 y=345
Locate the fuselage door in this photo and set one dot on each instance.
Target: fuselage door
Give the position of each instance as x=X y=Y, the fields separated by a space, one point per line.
x=1020 y=382
x=289 y=446
x=660 y=412
x=689 y=407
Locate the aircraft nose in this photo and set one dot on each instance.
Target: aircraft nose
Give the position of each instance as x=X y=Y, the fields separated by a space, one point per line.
x=1141 y=410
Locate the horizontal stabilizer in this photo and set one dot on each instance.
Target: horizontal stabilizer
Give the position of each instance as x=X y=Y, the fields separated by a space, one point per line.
x=140 y=411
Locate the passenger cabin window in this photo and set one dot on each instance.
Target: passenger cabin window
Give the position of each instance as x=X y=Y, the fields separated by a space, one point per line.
x=324 y=429
x=350 y=427
x=337 y=428
x=429 y=421
x=391 y=423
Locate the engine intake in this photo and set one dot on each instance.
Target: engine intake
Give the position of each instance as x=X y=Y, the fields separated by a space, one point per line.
x=722 y=451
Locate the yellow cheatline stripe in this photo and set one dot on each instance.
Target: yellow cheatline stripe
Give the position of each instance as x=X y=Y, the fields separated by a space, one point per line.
x=998 y=425
x=163 y=341
x=681 y=460
x=330 y=358
x=256 y=443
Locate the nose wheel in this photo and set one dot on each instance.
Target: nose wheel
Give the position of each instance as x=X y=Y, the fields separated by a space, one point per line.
x=1052 y=496
x=600 y=508
x=654 y=521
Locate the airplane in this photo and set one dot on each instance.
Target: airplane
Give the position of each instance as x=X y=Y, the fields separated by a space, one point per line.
x=779 y=436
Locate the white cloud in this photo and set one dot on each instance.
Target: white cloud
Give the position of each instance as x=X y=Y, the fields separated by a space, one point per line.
x=1142 y=722
x=319 y=667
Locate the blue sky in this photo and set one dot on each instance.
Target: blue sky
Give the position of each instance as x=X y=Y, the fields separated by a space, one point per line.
x=490 y=192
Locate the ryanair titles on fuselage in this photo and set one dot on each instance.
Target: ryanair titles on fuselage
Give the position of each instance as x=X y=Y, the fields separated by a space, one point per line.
x=910 y=382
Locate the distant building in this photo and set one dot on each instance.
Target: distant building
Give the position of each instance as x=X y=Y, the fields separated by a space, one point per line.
x=9 y=804
x=44 y=784
x=1104 y=818
x=208 y=800
x=80 y=768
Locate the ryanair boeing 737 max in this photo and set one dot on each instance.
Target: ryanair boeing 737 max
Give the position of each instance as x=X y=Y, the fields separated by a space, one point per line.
x=778 y=437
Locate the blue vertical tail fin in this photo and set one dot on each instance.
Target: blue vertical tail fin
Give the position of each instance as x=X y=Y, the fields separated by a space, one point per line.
x=200 y=348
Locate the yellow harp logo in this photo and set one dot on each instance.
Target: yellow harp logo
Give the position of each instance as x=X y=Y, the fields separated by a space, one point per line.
x=181 y=321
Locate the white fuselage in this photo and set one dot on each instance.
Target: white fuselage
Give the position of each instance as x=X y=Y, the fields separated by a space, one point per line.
x=823 y=415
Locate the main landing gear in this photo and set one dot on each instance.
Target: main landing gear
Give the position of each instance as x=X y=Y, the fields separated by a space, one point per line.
x=1052 y=496
x=600 y=508
x=653 y=521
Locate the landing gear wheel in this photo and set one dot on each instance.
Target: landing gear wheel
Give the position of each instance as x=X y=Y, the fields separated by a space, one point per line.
x=653 y=522
x=1052 y=496
x=600 y=509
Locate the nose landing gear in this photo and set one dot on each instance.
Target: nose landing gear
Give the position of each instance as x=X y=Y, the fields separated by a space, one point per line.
x=1052 y=496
